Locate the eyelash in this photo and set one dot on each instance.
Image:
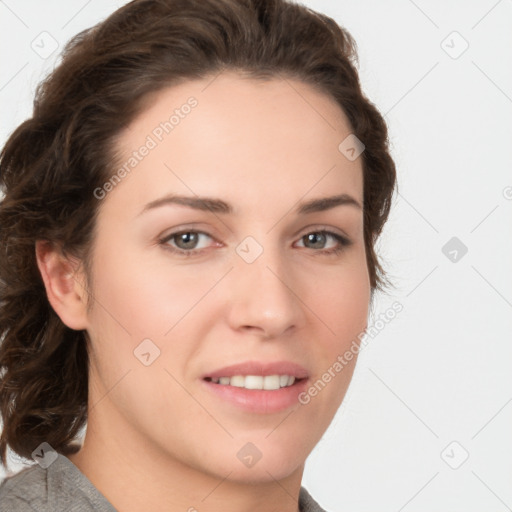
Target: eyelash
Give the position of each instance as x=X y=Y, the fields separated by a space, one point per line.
x=343 y=243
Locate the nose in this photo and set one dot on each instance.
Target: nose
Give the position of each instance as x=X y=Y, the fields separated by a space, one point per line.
x=265 y=296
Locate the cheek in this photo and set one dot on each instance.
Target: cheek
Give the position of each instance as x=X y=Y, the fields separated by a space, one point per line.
x=342 y=307
x=342 y=299
x=144 y=296
x=160 y=301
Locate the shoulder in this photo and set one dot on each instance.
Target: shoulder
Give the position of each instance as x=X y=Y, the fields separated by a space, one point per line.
x=307 y=503
x=26 y=491
x=57 y=487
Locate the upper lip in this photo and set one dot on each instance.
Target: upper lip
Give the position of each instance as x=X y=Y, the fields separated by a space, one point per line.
x=260 y=368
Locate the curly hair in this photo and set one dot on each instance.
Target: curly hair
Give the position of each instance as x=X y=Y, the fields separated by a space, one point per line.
x=52 y=163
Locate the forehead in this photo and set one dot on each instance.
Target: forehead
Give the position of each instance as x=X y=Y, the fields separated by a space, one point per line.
x=234 y=137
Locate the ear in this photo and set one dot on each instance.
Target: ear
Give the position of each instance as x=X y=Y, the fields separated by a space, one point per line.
x=64 y=285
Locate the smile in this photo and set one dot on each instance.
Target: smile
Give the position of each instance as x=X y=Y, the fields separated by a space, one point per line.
x=268 y=382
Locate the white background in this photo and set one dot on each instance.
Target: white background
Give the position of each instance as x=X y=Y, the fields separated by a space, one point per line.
x=440 y=371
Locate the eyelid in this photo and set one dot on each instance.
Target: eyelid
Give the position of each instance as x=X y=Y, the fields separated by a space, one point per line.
x=305 y=230
x=166 y=238
x=322 y=227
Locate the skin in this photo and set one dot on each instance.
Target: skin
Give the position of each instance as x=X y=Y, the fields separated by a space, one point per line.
x=155 y=438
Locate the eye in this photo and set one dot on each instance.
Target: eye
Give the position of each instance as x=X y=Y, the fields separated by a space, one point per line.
x=320 y=237
x=186 y=242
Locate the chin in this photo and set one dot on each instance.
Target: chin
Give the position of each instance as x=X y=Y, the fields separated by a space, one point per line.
x=269 y=462
x=262 y=472
x=245 y=462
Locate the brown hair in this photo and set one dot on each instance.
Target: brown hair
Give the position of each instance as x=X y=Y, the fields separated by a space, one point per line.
x=52 y=163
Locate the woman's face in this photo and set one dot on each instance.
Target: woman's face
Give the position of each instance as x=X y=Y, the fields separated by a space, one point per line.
x=242 y=284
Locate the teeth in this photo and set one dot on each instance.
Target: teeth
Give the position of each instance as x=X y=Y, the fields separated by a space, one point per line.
x=237 y=381
x=269 y=382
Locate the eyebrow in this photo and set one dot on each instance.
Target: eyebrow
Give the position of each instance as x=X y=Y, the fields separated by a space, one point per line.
x=220 y=206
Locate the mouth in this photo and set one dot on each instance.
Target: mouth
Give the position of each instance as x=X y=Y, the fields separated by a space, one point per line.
x=258 y=382
x=258 y=387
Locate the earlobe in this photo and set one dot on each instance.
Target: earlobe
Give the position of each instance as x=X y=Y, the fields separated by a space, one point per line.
x=64 y=289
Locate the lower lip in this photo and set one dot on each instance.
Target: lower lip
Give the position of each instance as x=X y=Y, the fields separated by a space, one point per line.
x=259 y=400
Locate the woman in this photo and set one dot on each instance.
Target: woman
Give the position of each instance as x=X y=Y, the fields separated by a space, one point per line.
x=187 y=235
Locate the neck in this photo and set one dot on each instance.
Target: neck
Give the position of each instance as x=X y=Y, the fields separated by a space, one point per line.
x=133 y=475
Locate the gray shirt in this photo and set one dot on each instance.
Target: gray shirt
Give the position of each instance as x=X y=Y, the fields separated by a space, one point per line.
x=62 y=487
